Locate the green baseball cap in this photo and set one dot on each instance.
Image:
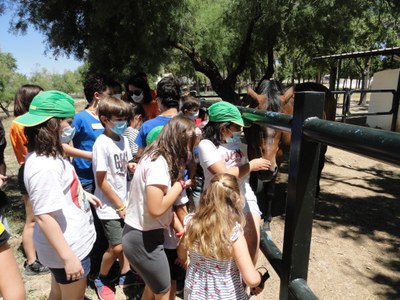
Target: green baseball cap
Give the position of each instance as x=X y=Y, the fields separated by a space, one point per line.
x=47 y=105
x=153 y=134
x=225 y=112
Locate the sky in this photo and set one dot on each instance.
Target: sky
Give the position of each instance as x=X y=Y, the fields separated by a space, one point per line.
x=28 y=50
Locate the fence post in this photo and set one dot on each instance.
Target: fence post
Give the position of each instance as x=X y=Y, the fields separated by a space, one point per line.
x=303 y=169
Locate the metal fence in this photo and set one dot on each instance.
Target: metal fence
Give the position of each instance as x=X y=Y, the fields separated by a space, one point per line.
x=308 y=131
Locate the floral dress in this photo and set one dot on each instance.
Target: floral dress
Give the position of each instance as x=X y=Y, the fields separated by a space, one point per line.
x=209 y=278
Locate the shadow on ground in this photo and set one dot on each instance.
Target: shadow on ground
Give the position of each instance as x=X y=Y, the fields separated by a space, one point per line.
x=362 y=215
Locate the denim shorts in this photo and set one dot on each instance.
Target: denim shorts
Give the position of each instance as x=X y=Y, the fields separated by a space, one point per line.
x=61 y=276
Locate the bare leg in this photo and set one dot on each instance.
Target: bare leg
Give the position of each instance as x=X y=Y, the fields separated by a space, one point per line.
x=11 y=285
x=172 y=290
x=109 y=258
x=74 y=291
x=27 y=234
x=55 y=291
x=149 y=295
x=252 y=235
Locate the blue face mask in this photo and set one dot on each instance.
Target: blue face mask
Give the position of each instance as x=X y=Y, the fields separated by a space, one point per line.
x=235 y=138
x=119 y=127
x=67 y=134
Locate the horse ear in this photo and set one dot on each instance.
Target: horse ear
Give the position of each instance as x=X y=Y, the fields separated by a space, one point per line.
x=262 y=100
x=289 y=94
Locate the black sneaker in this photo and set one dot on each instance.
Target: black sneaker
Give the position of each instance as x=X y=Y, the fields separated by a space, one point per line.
x=36 y=268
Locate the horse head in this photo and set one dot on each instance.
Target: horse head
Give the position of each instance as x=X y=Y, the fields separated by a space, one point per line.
x=263 y=141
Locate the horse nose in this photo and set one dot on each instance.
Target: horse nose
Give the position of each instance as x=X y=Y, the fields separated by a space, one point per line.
x=267 y=175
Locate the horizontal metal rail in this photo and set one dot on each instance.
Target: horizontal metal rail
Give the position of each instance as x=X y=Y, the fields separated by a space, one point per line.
x=379 y=144
x=299 y=289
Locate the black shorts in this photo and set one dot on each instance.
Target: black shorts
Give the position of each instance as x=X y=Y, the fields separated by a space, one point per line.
x=21 y=183
x=176 y=272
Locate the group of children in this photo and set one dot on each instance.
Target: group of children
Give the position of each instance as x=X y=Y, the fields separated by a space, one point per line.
x=90 y=214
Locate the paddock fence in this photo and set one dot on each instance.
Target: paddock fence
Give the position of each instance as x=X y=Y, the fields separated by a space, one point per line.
x=308 y=131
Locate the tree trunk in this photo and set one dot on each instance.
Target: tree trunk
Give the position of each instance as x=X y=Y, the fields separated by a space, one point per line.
x=365 y=80
x=225 y=88
x=332 y=77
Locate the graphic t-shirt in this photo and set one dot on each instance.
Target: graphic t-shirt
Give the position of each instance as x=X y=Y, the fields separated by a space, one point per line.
x=232 y=154
x=112 y=157
x=54 y=189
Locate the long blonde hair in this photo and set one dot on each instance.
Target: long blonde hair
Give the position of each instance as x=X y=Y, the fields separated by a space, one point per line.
x=210 y=229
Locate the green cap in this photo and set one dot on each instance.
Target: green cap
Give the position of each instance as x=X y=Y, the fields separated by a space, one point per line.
x=153 y=134
x=47 y=105
x=225 y=112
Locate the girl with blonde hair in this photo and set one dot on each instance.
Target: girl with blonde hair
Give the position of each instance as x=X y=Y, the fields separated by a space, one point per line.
x=219 y=257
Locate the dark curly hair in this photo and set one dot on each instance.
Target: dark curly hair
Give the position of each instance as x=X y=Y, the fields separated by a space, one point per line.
x=95 y=83
x=169 y=91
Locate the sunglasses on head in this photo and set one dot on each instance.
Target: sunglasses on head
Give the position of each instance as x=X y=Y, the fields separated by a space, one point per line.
x=136 y=93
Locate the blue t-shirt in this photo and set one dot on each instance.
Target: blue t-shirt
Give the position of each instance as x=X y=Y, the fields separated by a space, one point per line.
x=88 y=128
x=147 y=127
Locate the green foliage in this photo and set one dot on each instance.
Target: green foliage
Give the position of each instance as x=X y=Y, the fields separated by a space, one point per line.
x=221 y=38
x=10 y=80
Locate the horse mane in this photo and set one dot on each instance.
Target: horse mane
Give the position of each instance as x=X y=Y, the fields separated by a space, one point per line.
x=272 y=89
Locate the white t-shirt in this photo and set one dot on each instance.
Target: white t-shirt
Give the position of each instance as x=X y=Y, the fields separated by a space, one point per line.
x=112 y=157
x=232 y=154
x=147 y=173
x=54 y=189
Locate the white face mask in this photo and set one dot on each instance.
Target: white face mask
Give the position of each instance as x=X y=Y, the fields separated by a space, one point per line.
x=67 y=134
x=118 y=96
x=194 y=115
x=137 y=99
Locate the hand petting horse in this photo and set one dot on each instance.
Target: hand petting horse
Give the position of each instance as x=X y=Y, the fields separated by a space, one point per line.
x=271 y=144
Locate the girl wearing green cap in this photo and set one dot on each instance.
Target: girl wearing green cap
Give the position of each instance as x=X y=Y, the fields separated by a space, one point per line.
x=221 y=151
x=64 y=233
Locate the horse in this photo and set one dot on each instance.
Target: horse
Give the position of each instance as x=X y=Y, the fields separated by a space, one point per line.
x=271 y=144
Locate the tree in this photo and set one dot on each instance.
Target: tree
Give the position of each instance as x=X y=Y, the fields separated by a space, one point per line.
x=10 y=80
x=221 y=38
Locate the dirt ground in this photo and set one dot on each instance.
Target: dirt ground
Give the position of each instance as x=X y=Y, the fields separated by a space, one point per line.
x=355 y=242
x=356 y=239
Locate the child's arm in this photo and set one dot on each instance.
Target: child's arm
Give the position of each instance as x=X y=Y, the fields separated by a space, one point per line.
x=53 y=233
x=176 y=224
x=96 y=202
x=182 y=254
x=132 y=166
x=160 y=200
x=11 y=285
x=256 y=164
x=102 y=183
x=74 y=152
x=181 y=212
x=241 y=254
